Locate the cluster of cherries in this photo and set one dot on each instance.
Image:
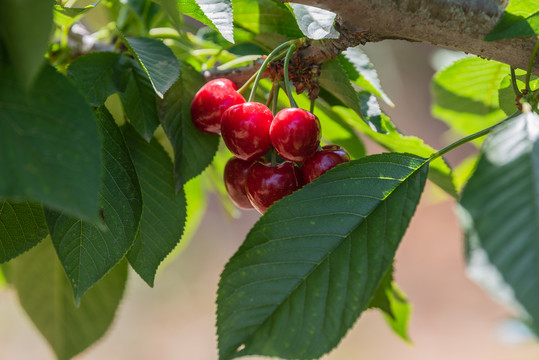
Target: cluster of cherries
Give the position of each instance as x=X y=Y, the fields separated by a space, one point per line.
x=250 y=130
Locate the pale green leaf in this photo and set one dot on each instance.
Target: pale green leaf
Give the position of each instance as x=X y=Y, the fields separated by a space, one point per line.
x=499 y=211
x=393 y=140
x=22 y=226
x=25 y=28
x=157 y=60
x=310 y=266
x=520 y=18
x=66 y=16
x=315 y=23
x=164 y=212
x=364 y=75
x=46 y=296
x=88 y=252
x=220 y=14
x=465 y=94
x=193 y=150
x=49 y=144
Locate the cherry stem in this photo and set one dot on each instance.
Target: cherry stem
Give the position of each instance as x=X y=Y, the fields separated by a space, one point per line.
x=244 y=87
x=469 y=138
x=514 y=82
x=311 y=109
x=271 y=95
x=273 y=157
x=275 y=97
x=272 y=56
x=530 y=65
x=286 y=78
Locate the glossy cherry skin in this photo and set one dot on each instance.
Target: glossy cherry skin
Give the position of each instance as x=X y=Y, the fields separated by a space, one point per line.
x=211 y=101
x=323 y=160
x=245 y=130
x=235 y=177
x=267 y=184
x=295 y=134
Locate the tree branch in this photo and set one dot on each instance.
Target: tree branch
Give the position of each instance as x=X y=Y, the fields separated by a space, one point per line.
x=455 y=24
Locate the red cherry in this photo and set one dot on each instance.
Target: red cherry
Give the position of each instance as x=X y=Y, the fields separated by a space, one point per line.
x=235 y=176
x=245 y=130
x=295 y=134
x=211 y=101
x=267 y=184
x=323 y=160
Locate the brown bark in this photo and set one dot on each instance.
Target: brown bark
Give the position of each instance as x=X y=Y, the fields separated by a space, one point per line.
x=455 y=24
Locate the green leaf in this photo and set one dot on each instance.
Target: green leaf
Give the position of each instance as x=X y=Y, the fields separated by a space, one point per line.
x=220 y=14
x=164 y=212
x=393 y=304
x=170 y=7
x=66 y=16
x=361 y=71
x=157 y=60
x=466 y=94
x=140 y=103
x=25 y=28
x=499 y=211
x=193 y=150
x=335 y=80
x=520 y=18
x=507 y=97
x=99 y=75
x=88 y=252
x=312 y=263
x=315 y=23
x=46 y=296
x=49 y=144
x=192 y=9
x=393 y=140
x=266 y=17
x=22 y=226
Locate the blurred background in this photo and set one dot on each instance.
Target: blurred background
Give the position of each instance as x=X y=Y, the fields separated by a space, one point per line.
x=452 y=317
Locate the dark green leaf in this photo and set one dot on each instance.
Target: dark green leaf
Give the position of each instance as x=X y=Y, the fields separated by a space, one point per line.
x=25 y=28
x=520 y=18
x=164 y=212
x=46 y=296
x=22 y=226
x=315 y=23
x=49 y=144
x=157 y=60
x=466 y=94
x=312 y=263
x=220 y=14
x=393 y=140
x=193 y=150
x=139 y=102
x=170 y=7
x=88 y=252
x=499 y=212
x=100 y=75
x=363 y=73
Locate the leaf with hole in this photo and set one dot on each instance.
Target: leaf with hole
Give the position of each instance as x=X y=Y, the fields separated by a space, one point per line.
x=310 y=266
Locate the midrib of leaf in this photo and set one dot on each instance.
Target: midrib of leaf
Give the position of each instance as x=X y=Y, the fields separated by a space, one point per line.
x=345 y=240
